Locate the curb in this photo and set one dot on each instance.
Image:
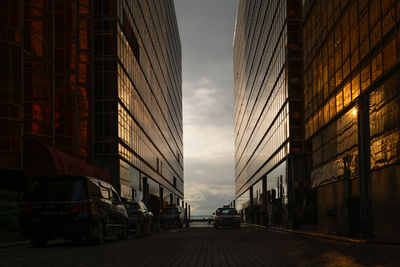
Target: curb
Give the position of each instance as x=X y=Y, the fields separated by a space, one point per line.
x=28 y=243
x=327 y=236
x=14 y=244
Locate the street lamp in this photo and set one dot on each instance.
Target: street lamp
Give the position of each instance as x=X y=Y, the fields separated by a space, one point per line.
x=354 y=112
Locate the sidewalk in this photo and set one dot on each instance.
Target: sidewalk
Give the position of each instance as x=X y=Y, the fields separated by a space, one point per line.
x=315 y=233
x=12 y=239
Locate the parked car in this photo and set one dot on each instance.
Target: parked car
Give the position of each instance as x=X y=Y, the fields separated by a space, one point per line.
x=226 y=217
x=137 y=213
x=72 y=207
x=174 y=214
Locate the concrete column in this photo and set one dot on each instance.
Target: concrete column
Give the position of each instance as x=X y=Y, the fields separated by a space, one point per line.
x=364 y=166
x=161 y=197
x=264 y=203
x=251 y=205
x=145 y=191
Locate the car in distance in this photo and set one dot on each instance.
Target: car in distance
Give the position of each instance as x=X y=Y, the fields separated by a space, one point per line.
x=174 y=214
x=137 y=213
x=226 y=217
x=72 y=207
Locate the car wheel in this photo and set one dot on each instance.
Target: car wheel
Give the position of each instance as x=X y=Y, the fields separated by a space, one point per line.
x=152 y=226
x=38 y=241
x=98 y=239
x=124 y=233
x=76 y=240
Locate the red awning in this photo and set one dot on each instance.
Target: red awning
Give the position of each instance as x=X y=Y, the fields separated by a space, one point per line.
x=41 y=159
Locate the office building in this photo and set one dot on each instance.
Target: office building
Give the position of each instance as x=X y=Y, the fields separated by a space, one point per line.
x=46 y=89
x=138 y=98
x=270 y=153
x=92 y=82
x=352 y=101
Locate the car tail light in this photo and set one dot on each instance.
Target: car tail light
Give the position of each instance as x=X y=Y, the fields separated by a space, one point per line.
x=92 y=209
x=27 y=208
x=82 y=207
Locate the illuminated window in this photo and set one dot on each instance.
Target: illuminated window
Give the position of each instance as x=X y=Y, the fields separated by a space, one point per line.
x=365 y=78
x=339 y=101
x=326 y=113
x=355 y=87
x=346 y=94
x=389 y=54
x=376 y=65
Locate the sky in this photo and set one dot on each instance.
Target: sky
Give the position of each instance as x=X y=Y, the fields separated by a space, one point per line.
x=206 y=30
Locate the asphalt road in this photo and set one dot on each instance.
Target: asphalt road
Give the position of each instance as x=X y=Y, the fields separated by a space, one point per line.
x=206 y=246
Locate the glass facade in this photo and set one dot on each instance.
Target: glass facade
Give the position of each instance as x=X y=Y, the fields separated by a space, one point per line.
x=138 y=97
x=351 y=51
x=268 y=94
x=99 y=80
x=46 y=91
x=11 y=100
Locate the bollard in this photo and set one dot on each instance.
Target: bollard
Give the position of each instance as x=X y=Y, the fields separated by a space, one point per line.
x=157 y=227
x=139 y=229
x=146 y=229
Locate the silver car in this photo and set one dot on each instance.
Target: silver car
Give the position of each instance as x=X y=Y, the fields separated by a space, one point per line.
x=137 y=213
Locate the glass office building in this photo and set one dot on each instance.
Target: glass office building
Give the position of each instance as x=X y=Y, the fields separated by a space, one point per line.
x=45 y=85
x=101 y=82
x=352 y=102
x=138 y=98
x=270 y=153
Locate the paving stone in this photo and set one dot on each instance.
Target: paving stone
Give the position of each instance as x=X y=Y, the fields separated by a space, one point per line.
x=206 y=247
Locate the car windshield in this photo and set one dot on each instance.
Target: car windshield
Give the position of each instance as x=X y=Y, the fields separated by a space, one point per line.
x=55 y=189
x=226 y=212
x=170 y=211
x=132 y=206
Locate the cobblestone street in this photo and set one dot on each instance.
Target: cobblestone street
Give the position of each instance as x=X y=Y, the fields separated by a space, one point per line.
x=206 y=246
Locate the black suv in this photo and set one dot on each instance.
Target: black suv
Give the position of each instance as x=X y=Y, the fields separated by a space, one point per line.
x=73 y=207
x=174 y=214
x=227 y=217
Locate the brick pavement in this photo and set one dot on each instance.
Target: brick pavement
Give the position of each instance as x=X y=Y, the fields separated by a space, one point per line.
x=207 y=247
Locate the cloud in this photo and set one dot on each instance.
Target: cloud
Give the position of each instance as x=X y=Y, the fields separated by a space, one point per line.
x=208 y=118
x=206 y=30
x=205 y=199
x=208 y=145
x=207 y=101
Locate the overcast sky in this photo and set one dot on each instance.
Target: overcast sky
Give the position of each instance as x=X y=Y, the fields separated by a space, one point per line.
x=206 y=29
